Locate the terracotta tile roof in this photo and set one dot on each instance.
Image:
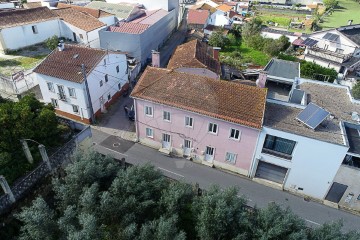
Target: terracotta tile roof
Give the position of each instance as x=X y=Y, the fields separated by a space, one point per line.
x=121 y=10
x=66 y=64
x=193 y=54
x=224 y=8
x=232 y=102
x=129 y=27
x=204 y=6
x=20 y=17
x=79 y=19
x=93 y=12
x=197 y=16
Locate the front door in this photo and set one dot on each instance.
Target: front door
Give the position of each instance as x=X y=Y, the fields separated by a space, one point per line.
x=187 y=147
x=209 y=154
x=166 y=141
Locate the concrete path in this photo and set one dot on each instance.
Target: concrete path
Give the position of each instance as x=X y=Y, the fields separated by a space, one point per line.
x=314 y=213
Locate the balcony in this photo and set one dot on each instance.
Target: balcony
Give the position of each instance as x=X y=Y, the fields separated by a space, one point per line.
x=328 y=55
x=276 y=154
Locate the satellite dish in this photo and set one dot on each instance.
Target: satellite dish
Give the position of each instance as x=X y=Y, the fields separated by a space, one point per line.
x=355 y=116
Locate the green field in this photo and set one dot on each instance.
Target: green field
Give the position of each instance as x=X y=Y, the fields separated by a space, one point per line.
x=348 y=9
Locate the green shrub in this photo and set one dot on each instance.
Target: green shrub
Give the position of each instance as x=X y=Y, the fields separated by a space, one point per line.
x=356 y=91
x=286 y=57
x=317 y=72
x=51 y=43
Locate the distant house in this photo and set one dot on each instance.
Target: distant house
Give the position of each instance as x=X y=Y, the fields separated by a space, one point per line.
x=210 y=121
x=194 y=57
x=197 y=19
x=336 y=48
x=102 y=16
x=81 y=93
x=7 y=5
x=311 y=134
x=242 y=8
x=79 y=26
x=221 y=16
x=134 y=36
x=25 y=27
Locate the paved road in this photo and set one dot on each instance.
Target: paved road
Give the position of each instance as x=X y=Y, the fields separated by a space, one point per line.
x=257 y=194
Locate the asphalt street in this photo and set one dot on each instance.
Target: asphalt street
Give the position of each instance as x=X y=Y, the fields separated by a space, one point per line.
x=181 y=169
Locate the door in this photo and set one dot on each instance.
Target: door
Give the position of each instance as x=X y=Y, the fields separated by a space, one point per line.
x=209 y=154
x=187 y=147
x=166 y=141
x=74 y=37
x=336 y=192
x=271 y=172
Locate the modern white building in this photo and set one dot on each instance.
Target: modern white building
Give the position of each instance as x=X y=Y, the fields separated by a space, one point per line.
x=25 y=27
x=82 y=93
x=302 y=146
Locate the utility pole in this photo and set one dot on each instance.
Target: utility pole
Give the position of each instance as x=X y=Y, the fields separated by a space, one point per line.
x=5 y=186
x=26 y=150
x=92 y=117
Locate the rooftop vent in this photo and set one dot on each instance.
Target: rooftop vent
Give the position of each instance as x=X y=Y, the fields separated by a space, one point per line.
x=75 y=56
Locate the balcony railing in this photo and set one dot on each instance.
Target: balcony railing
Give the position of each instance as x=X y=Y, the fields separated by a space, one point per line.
x=276 y=153
x=326 y=54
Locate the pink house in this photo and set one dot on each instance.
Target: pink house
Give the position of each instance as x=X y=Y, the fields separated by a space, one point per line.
x=210 y=121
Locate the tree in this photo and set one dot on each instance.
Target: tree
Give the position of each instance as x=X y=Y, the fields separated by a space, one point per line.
x=330 y=3
x=217 y=39
x=317 y=72
x=356 y=91
x=283 y=42
x=52 y=42
x=251 y=29
x=236 y=30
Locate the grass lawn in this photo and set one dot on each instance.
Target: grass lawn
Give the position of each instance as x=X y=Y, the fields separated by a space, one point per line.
x=283 y=19
x=8 y=66
x=348 y=9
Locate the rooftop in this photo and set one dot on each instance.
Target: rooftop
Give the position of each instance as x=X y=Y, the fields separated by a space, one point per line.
x=79 y=19
x=282 y=68
x=93 y=12
x=20 y=17
x=66 y=64
x=224 y=8
x=232 y=102
x=283 y=117
x=193 y=54
x=353 y=136
x=32 y=5
x=121 y=10
x=205 y=6
x=197 y=16
x=352 y=32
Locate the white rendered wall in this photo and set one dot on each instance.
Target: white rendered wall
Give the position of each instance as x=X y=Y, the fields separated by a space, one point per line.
x=313 y=166
x=109 y=20
x=218 y=19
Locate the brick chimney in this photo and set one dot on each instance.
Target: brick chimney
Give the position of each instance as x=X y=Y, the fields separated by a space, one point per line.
x=261 y=81
x=216 y=51
x=155 y=58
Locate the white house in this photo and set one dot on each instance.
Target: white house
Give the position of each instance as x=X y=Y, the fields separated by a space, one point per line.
x=79 y=27
x=221 y=16
x=25 y=27
x=302 y=146
x=336 y=48
x=82 y=93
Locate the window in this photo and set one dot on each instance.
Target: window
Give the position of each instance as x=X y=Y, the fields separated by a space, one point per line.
x=148 y=111
x=117 y=69
x=72 y=92
x=50 y=86
x=279 y=147
x=62 y=95
x=104 y=61
x=106 y=78
x=230 y=157
x=213 y=128
x=187 y=143
x=101 y=83
x=234 y=134
x=119 y=86
x=54 y=102
x=149 y=132
x=166 y=116
x=326 y=47
x=189 y=121
x=34 y=29
x=75 y=109
x=81 y=36
x=109 y=96
x=209 y=151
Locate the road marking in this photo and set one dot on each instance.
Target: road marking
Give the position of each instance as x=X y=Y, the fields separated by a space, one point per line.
x=312 y=222
x=171 y=172
x=114 y=151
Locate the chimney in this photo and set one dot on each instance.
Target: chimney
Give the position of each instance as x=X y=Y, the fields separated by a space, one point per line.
x=155 y=58
x=61 y=46
x=261 y=81
x=350 y=22
x=216 y=52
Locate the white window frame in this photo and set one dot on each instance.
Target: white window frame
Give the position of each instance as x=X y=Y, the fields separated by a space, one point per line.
x=192 y=122
x=233 y=138
x=146 y=112
x=78 y=110
x=185 y=140
x=213 y=124
x=152 y=132
x=51 y=89
x=229 y=156
x=53 y=100
x=72 y=95
x=166 y=114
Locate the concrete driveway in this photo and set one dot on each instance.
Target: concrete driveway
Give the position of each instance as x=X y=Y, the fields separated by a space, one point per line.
x=115 y=121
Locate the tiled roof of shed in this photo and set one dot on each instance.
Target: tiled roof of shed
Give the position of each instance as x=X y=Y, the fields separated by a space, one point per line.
x=93 y=12
x=224 y=100
x=197 y=16
x=20 y=17
x=129 y=27
x=193 y=54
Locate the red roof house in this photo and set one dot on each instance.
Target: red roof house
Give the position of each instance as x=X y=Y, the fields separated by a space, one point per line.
x=197 y=18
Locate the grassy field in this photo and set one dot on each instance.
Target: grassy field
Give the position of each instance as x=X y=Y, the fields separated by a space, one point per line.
x=348 y=9
x=9 y=66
